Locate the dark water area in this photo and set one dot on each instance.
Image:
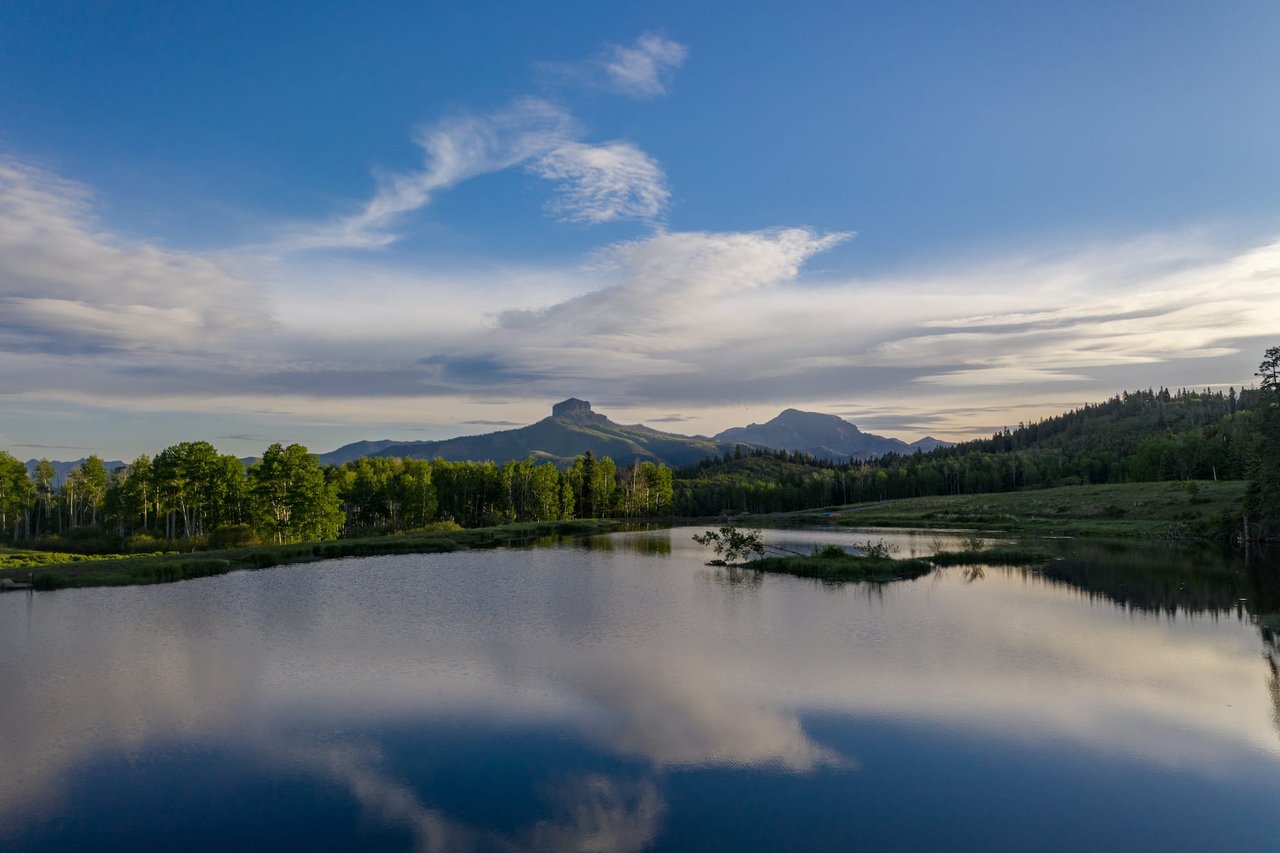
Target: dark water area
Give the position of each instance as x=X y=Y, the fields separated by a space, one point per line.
x=618 y=694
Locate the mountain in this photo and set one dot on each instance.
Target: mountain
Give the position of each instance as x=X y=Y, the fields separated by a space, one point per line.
x=824 y=436
x=353 y=451
x=924 y=445
x=62 y=469
x=571 y=430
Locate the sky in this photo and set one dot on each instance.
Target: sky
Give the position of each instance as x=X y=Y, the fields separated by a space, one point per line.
x=323 y=222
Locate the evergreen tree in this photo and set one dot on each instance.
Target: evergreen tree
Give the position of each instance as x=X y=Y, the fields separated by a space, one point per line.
x=1262 y=501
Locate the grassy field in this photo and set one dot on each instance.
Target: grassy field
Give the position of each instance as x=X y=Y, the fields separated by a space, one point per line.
x=57 y=571
x=1205 y=510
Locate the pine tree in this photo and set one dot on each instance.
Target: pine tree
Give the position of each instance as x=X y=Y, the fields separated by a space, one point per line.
x=1262 y=500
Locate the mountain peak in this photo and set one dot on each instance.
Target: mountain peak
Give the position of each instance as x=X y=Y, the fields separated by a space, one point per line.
x=571 y=406
x=815 y=433
x=813 y=419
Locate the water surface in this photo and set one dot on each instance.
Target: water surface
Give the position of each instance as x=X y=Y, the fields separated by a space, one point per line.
x=618 y=694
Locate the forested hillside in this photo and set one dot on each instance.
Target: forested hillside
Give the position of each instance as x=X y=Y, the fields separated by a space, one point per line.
x=1136 y=436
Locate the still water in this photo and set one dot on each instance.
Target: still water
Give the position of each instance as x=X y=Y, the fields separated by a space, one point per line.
x=618 y=694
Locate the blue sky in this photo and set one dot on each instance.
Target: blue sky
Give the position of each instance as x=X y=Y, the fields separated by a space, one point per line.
x=321 y=222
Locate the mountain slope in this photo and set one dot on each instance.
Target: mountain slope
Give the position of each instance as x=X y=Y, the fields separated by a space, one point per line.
x=571 y=431
x=353 y=451
x=824 y=436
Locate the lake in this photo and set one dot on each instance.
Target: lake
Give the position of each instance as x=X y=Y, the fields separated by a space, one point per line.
x=616 y=693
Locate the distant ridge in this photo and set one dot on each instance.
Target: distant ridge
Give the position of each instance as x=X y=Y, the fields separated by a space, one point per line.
x=62 y=469
x=824 y=436
x=574 y=428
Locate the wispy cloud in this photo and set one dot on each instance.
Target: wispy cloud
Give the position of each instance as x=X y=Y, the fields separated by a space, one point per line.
x=601 y=183
x=643 y=69
x=454 y=150
x=671 y=281
x=67 y=283
x=596 y=182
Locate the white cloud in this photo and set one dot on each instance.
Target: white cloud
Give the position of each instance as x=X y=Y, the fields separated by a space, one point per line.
x=724 y=326
x=597 y=183
x=601 y=183
x=454 y=150
x=644 y=69
x=64 y=279
x=661 y=285
x=641 y=70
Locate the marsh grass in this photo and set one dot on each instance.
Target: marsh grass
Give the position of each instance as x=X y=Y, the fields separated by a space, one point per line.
x=846 y=567
x=166 y=568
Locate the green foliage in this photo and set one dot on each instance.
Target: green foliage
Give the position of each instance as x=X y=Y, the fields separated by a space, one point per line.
x=233 y=536
x=1137 y=436
x=1262 y=501
x=22 y=559
x=188 y=498
x=57 y=571
x=1150 y=510
x=293 y=500
x=732 y=544
x=17 y=497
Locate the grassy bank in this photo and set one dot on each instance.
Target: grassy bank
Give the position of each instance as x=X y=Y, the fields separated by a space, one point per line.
x=1205 y=510
x=73 y=570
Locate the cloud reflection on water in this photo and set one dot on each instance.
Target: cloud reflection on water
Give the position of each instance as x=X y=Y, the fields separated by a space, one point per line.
x=638 y=653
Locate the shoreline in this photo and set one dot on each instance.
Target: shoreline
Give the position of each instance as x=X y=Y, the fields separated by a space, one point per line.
x=1168 y=511
x=149 y=569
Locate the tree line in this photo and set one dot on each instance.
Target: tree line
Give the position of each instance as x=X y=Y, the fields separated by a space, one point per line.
x=192 y=496
x=189 y=493
x=1136 y=436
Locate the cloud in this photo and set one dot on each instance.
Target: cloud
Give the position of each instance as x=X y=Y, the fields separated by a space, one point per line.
x=640 y=70
x=66 y=283
x=602 y=183
x=672 y=281
x=597 y=812
x=596 y=183
x=643 y=70
x=724 y=327
x=454 y=150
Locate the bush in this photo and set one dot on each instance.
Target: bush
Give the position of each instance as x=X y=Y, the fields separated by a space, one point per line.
x=79 y=540
x=143 y=543
x=447 y=526
x=232 y=536
x=879 y=550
